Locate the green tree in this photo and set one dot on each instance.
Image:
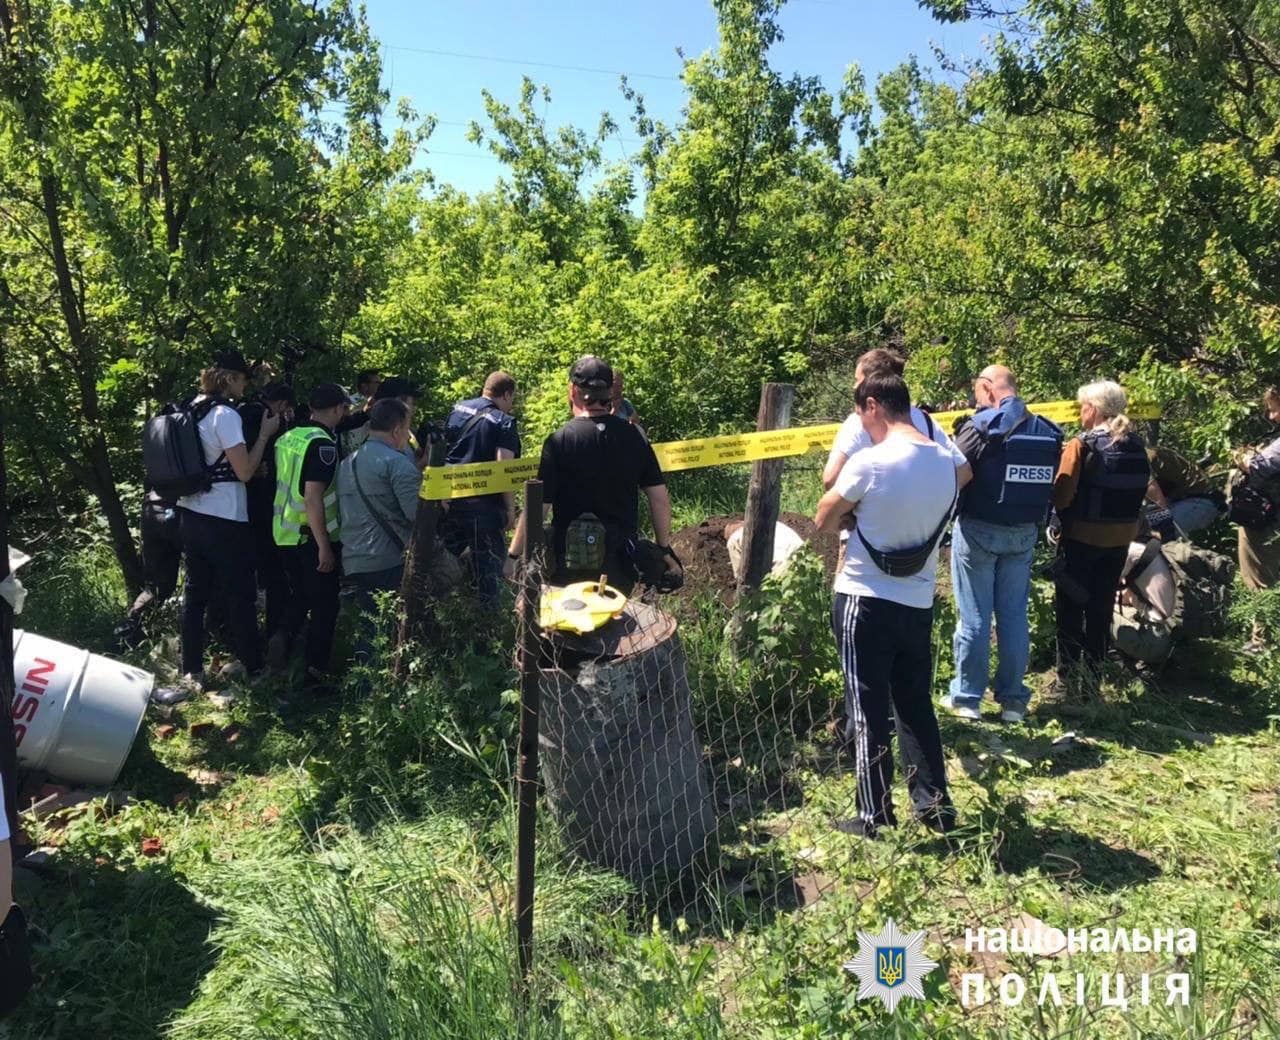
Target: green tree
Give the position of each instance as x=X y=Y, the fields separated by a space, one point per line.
x=1113 y=207
x=170 y=182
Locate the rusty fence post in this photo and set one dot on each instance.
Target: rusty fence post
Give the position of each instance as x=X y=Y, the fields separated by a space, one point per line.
x=527 y=649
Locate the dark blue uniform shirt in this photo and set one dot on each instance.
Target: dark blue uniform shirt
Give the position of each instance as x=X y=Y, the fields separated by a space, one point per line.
x=480 y=442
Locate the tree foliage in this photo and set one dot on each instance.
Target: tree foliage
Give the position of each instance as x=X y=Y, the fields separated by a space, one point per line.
x=170 y=183
x=1099 y=195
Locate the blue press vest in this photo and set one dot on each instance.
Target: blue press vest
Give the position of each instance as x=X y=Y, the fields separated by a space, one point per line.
x=1013 y=477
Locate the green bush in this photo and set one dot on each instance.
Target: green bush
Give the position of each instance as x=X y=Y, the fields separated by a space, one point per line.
x=446 y=726
x=74 y=593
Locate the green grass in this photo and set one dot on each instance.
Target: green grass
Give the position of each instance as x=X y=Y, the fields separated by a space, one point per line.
x=350 y=874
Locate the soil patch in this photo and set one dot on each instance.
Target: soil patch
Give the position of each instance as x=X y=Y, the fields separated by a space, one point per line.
x=705 y=553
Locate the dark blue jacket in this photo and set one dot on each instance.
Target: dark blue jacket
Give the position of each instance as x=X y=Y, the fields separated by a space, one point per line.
x=1014 y=454
x=479 y=441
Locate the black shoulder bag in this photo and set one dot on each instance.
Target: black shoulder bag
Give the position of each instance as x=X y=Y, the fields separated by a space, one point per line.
x=387 y=527
x=902 y=563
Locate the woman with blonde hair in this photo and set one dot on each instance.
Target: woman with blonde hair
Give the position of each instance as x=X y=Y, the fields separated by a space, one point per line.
x=1098 y=492
x=217 y=543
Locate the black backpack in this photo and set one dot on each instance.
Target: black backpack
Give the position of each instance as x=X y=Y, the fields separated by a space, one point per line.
x=1113 y=484
x=172 y=455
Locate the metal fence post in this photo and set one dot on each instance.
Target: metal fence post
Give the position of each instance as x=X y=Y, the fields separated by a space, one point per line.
x=527 y=762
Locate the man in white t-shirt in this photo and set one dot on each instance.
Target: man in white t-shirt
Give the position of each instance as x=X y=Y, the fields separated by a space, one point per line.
x=852 y=437
x=217 y=543
x=902 y=490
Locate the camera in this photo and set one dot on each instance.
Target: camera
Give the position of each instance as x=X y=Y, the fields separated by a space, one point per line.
x=430 y=432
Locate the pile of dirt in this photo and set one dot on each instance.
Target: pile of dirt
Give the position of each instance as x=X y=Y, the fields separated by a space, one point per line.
x=705 y=553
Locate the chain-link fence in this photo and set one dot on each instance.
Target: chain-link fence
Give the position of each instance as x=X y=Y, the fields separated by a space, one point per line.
x=697 y=748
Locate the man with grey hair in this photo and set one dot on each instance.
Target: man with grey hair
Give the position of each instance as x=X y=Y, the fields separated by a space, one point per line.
x=1014 y=455
x=378 y=487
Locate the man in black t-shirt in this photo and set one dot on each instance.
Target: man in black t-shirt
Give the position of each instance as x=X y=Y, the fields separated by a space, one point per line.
x=596 y=464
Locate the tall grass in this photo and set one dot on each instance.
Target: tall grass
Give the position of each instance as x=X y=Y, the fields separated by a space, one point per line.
x=75 y=593
x=404 y=934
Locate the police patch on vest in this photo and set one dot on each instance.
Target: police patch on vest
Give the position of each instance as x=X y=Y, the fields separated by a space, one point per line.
x=1019 y=474
x=328 y=454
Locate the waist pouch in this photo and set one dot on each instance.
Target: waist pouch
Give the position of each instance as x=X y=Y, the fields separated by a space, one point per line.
x=650 y=562
x=902 y=563
x=1251 y=508
x=586 y=544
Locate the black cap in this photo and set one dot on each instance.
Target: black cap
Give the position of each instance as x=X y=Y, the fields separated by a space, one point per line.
x=394 y=386
x=593 y=376
x=231 y=361
x=327 y=395
x=277 y=392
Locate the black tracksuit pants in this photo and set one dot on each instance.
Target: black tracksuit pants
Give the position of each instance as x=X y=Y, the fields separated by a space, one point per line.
x=313 y=600
x=886 y=653
x=268 y=566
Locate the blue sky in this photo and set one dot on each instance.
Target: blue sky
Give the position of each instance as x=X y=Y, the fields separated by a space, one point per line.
x=440 y=55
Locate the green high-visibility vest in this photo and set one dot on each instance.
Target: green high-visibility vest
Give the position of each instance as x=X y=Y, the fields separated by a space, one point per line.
x=291 y=510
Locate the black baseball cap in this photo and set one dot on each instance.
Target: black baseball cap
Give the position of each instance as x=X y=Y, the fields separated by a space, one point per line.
x=277 y=392
x=592 y=375
x=231 y=361
x=327 y=395
x=394 y=386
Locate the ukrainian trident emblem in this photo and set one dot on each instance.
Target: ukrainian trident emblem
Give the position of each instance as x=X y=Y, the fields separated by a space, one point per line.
x=891 y=965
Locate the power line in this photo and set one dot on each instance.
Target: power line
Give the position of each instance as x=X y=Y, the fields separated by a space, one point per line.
x=534 y=64
x=429 y=151
x=334 y=111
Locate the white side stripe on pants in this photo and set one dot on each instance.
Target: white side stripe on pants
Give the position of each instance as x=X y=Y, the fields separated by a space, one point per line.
x=862 y=748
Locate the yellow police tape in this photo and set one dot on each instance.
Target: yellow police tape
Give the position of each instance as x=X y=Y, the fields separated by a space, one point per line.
x=487 y=478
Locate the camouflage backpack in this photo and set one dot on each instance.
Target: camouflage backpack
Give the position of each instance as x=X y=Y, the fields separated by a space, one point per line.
x=1204 y=581
x=1139 y=637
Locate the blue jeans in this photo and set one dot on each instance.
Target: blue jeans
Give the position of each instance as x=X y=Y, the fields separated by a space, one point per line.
x=367 y=585
x=991 y=575
x=482 y=533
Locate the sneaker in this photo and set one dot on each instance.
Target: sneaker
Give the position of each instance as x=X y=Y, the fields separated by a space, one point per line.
x=856 y=826
x=231 y=672
x=194 y=683
x=1013 y=714
x=962 y=711
x=187 y=688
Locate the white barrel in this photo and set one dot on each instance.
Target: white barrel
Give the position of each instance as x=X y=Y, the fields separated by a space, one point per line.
x=75 y=714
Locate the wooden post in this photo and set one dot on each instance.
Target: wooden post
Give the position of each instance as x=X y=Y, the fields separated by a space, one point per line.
x=765 y=492
x=415 y=586
x=527 y=762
